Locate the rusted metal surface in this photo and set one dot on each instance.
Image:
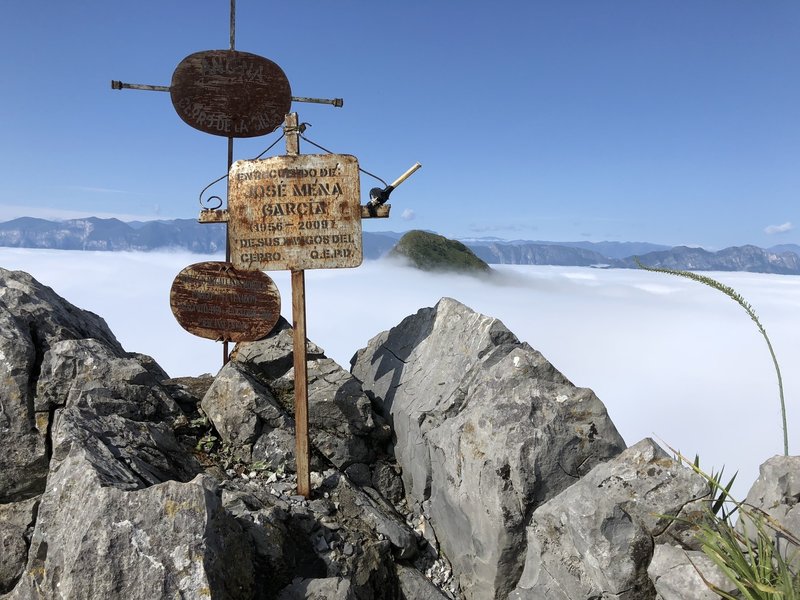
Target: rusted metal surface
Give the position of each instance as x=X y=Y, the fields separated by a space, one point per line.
x=230 y=93
x=375 y=212
x=216 y=301
x=295 y=212
x=213 y=216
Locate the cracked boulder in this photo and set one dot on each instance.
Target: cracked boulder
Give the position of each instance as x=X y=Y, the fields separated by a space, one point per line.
x=32 y=319
x=16 y=527
x=776 y=494
x=171 y=540
x=98 y=498
x=676 y=574
x=597 y=538
x=486 y=430
x=251 y=404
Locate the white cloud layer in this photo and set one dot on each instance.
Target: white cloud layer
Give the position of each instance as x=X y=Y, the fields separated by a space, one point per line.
x=670 y=358
x=783 y=228
x=408 y=215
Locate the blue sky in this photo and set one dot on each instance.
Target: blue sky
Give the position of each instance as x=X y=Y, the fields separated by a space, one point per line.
x=668 y=122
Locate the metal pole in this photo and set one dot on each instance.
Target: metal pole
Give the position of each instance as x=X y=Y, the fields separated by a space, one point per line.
x=299 y=345
x=225 y=354
x=233 y=24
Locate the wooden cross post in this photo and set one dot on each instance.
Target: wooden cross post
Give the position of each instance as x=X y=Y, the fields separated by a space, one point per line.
x=291 y=129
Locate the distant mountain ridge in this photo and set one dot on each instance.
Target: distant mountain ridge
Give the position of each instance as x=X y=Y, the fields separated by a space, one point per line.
x=93 y=233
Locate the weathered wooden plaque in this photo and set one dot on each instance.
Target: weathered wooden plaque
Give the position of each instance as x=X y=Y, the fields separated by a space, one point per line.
x=216 y=301
x=295 y=212
x=230 y=93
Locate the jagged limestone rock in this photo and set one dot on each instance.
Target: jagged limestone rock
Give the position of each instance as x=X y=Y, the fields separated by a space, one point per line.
x=485 y=431
x=327 y=588
x=342 y=424
x=16 y=527
x=414 y=585
x=776 y=492
x=98 y=541
x=249 y=419
x=674 y=573
x=596 y=538
x=32 y=318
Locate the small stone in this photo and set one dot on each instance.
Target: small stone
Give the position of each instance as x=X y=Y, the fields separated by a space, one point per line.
x=316 y=479
x=320 y=545
x=348 y=549
x=321 y=507
x=359 y=474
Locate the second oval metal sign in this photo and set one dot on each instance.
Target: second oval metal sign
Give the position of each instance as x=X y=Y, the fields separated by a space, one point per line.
x=215 y=301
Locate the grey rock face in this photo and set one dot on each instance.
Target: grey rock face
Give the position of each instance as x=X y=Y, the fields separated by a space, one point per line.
x=674 y=573
x=328 y=588
x=93 y=422
x=596 y=538
x=249 y=419
x=16 y=527
x=32 y=319
x=486 y=430
x=414 y=586
x=776 y=492
x=258 y=386
x=164 y=541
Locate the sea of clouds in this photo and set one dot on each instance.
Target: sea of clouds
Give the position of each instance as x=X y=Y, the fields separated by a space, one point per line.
x=670 y=358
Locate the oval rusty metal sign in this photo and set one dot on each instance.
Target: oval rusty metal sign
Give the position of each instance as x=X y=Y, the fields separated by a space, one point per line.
x=216 y=301
x=230 y=93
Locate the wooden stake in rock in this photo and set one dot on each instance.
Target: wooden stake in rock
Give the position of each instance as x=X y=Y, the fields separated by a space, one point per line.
x=302 y=454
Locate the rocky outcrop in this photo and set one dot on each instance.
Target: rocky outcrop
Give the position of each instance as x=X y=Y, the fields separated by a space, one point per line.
x=121 y=506
x=775 y=496
x=485 y=430
x=253 y=397
x=453 y=462
x=32 y=319
x=676 y=574
x=596 y=538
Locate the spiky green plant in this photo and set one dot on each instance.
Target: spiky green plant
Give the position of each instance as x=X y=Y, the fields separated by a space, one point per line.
x=736 y=297
x=749 y=558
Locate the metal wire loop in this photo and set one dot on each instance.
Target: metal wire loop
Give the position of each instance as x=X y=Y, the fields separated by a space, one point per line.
x=329 y=152
x=205 y=202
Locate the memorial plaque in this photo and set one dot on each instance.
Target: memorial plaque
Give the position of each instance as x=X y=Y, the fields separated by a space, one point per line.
x=230 y=93
x=216 y=301
x=295 y=212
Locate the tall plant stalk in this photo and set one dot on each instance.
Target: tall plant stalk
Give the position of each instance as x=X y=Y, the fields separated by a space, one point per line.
x=736 y=297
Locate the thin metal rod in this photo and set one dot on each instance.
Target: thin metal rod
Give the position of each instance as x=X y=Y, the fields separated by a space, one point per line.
x=119 y=85
x=225 y=354
x=233 y=24
x=337 y=102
